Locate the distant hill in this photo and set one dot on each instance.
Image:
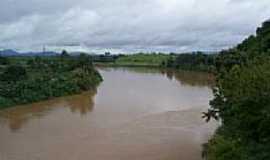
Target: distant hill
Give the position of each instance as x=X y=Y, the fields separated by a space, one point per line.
x=48 y=53
x=10 y=52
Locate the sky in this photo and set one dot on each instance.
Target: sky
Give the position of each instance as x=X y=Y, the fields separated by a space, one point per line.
x=128 y=26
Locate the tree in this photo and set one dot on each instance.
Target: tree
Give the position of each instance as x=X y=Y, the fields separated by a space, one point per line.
x=64 y=54
x=170 y=62
x=242 y=101
x=3 y=61
x=85 y=62
x=14 y=73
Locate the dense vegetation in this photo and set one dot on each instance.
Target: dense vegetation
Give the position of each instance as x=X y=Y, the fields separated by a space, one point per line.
x=242 y=101
x=134 y=60
x=26 y=80
x=3 y=60
x=144 y=59
x=197 y=61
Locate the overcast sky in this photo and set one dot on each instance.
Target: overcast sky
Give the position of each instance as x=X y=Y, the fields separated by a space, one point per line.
x=129 y=25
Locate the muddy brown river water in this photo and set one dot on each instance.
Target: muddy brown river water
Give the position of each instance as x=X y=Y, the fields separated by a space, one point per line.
x=135 y=114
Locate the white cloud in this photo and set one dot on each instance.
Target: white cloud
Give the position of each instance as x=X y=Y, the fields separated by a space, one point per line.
x=128 y=25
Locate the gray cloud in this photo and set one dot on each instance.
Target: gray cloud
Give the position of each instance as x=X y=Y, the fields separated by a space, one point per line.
x=129 y=25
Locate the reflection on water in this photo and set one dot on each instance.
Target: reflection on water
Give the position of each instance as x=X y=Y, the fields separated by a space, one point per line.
x=136 y=113
x=192 y=78
x=83 y=103
x=16 y=117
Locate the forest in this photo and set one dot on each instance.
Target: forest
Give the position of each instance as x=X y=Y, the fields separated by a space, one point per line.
x=197 y=61
x=242 y=101
x=32 y=79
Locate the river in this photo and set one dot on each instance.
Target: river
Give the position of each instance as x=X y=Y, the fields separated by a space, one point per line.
x=135 y=114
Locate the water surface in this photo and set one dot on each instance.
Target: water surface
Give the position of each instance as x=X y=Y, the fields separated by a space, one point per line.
x=135 y=114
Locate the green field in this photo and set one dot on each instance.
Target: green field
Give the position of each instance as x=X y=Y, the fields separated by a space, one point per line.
x=140 y=59
x=143 y=59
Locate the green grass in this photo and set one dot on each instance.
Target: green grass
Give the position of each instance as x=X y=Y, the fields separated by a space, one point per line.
x=140 y=59
x=143 y=59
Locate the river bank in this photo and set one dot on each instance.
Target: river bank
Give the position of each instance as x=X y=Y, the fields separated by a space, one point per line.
x=42 y=78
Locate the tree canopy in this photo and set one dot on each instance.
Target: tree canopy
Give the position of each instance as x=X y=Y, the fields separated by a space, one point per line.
x=242 y=101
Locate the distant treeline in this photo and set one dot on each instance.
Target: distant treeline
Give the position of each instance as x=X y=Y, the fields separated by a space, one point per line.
x=242 y=101
x=25 y=80
x=198 y=61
